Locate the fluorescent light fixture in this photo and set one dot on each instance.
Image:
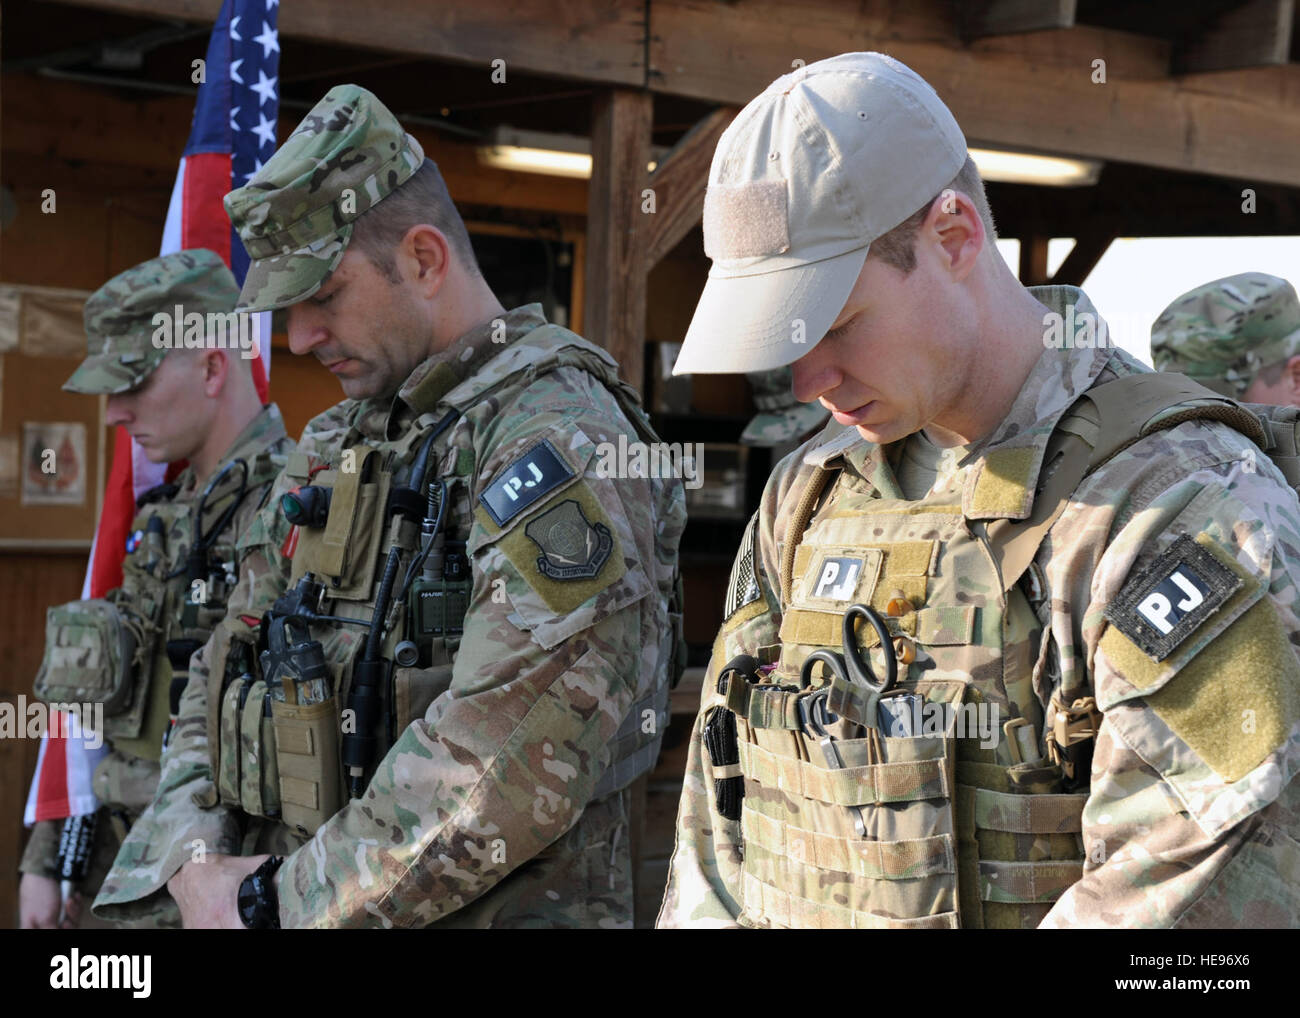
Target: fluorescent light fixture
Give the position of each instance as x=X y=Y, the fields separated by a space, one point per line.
x=536 y=160
x=559 y=155
x=1024 y=168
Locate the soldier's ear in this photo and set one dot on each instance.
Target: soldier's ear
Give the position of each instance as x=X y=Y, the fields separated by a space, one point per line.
x=1292 y=378
x=216 y=369
x=428 y=254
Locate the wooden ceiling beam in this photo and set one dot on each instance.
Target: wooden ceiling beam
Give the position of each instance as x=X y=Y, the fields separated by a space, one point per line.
x=68 y=123
x=1255 y=34
x=1039 y=90
x=604 y=43
x=981 y=18
x=678 y=183
x=1082 y=259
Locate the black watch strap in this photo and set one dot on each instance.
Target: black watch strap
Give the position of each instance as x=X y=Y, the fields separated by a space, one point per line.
x=259 y=905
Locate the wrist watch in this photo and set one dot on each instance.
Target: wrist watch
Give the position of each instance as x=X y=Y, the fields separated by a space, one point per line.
x=259 y=906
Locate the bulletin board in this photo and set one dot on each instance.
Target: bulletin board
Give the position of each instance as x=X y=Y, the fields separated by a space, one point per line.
x=52 y=443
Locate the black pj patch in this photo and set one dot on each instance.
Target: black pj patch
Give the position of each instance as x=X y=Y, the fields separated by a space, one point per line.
x=573 y=548
x=524 y=481
x=1164 y=603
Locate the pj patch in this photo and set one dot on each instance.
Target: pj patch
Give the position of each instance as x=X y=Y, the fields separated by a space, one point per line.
x=1162 y=605
x=573 y=548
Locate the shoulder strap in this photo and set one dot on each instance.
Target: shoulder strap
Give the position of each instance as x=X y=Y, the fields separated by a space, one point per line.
x=1102 y=423
x=1281 y=426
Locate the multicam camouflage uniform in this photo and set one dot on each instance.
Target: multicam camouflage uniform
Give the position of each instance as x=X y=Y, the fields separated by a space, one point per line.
x=1222 y=334
x=1189 y=814
x=119 y=328
x=499 y=795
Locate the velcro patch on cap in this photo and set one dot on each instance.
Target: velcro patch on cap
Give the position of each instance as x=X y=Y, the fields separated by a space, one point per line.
x=1161 y=605
x=523 y=482
x=748 y=221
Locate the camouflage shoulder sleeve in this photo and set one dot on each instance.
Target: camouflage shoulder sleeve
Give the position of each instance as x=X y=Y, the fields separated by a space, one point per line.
x=558 y=625
x=1190 y=630
x=174 y=828
x=704 y=872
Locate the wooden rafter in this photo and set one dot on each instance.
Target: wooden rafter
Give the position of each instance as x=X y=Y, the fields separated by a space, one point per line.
x=1038 y=89
x=679 y=182
x=981 y=18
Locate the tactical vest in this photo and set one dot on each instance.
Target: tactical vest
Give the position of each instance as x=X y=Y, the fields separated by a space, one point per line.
x=131 y=649
x=283 y=760
x=970 y=813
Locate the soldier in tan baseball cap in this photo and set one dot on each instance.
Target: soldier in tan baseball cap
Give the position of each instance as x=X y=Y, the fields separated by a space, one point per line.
x=994 y=528
x=1239 y=335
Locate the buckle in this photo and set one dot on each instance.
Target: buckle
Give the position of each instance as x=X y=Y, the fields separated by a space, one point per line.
x=1069 y=726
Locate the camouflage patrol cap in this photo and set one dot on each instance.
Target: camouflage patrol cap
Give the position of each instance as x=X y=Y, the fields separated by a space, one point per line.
x=781 y=417
x=1221 y=334
x=295 y=215
x=119 y=316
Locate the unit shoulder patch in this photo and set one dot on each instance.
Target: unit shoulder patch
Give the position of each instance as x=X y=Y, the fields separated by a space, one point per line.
x=573 y=548
x=1163 y=603
x=540 y=470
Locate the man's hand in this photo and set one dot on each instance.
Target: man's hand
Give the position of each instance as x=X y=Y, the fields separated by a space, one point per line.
x=206 y=891
x=40 y=902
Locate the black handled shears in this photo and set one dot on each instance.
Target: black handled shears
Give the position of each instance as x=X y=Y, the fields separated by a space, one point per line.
x=852 y=666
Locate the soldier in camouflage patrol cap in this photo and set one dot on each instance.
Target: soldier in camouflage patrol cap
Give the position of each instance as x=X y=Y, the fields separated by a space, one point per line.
x=296 y=219
x=1085 y=571
x=235 y=447
x=531 y=636
x=781 y=418
x=119 y=316
x=1228 y=333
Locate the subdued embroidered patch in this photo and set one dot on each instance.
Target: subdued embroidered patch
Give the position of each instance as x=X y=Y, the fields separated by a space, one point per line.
x=743 y=588
x=747 y=221
x=573 y=548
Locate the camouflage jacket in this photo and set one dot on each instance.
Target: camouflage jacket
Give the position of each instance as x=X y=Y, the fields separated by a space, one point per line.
x=1191 y=813
x=126 y=779
x=482 y=810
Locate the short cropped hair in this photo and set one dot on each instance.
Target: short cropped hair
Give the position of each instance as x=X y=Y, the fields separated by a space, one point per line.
x=421 y=198
x=898 y=246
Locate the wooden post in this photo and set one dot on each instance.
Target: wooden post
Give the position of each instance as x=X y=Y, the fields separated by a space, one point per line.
x=614 y=276
x=1033 y=261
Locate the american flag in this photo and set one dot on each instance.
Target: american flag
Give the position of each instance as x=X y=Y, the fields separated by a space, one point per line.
x=233 y=134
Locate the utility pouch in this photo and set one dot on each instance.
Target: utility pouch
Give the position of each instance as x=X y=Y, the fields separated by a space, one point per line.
x=414 y=690
x=259 y=781
x=227 y=773
x=307 y=758
x=93 y=651
x=345 y=550
x=875 y=845
x=231 y=665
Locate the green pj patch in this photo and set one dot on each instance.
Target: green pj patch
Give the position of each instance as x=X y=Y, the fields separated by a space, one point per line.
x=567 y=552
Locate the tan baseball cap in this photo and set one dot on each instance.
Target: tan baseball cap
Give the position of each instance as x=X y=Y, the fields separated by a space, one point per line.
x=824 y=161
